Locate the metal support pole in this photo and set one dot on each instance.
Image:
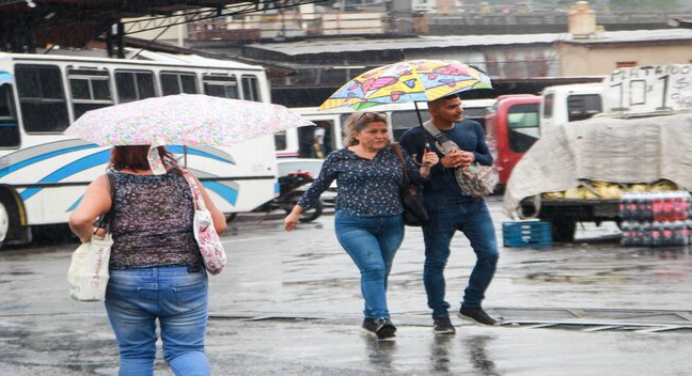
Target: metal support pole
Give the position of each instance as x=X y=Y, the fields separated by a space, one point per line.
x=121 y=40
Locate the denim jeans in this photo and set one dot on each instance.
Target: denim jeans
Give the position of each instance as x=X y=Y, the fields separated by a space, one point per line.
x=136 y=298
x=473 y=219
x=372 y=243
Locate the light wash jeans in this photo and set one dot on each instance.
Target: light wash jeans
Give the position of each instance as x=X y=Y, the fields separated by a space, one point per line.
x=372 y=243
x=136 y=298
x=446 y=218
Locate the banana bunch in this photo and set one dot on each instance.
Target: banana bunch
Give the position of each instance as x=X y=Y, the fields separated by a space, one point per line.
x=600 y=190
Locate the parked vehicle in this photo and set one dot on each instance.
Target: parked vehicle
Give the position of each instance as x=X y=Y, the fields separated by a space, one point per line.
x=567 y=103
x=515 y=122
x=299 y=143
x=295 y=147
x=43 y=174
x=578 y=171
x=511 y=128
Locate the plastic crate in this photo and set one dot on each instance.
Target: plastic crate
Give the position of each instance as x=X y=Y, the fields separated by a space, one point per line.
x=533 y=234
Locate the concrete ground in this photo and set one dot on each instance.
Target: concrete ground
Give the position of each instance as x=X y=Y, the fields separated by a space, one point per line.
x=289 y=304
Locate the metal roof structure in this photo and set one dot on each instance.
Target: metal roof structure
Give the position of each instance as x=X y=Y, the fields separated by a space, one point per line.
x=28 y=24
x=426 y=42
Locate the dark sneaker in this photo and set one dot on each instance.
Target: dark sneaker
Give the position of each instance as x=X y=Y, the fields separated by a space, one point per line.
x=370 y=325
x=478 y=315
x=443 y=325
x=385 y=329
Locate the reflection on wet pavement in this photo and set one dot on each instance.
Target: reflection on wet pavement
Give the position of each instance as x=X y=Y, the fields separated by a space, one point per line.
x=440 y=353
x=479 y=357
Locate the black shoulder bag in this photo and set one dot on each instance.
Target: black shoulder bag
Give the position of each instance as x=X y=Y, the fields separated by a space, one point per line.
x=414 y=210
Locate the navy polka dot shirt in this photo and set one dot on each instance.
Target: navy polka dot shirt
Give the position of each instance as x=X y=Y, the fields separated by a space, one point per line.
x=365 y=188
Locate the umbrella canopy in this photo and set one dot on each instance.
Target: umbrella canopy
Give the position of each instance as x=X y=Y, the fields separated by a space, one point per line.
x=183 y=119
x=407 y=81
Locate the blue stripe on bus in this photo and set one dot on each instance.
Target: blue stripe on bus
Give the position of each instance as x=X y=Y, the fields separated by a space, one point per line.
x=70 y=169
x=227 y=193
x=5 y=78
x=9 y=125
x=74 y=206
x=191 y=151
x=30 y=161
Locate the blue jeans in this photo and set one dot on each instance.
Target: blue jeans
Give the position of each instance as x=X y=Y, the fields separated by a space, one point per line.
x=473 y=219
x=136 y=298
x=372 y=243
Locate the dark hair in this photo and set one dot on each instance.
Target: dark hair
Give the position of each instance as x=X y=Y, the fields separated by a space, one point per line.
x=439 y=100
x=357 y=122
x=134 y=157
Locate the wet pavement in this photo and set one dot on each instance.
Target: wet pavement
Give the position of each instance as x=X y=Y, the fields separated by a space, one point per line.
x=289 y=303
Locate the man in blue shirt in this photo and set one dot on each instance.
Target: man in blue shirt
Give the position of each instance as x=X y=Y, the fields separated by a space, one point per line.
x=450 y=210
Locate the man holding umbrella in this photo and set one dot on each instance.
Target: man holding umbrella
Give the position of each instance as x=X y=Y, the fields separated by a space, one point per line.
x=451 y=210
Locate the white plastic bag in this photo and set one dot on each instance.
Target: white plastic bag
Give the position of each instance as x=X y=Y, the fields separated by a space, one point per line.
x=88 y=273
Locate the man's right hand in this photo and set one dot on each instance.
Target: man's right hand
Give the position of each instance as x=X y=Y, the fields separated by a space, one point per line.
x=457 y=159
x=452 y=159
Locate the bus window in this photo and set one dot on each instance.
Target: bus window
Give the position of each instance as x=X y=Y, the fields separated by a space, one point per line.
x=41 y=98
x=403 y=120
x=548 y=100
x=9 y=128
x=178 y=82
x=306 y=137
x=221 y=86
x=133 y=86
x=583 y=106
x=522 y=124
x=280 y=142
x=251 y=89
x=323 y=140
x=90 y=90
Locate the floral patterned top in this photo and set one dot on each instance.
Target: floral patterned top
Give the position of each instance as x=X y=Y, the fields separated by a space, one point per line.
x=152 y=222
x=365 y=188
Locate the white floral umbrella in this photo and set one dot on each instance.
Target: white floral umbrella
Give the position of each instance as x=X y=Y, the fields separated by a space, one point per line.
x=183 y=119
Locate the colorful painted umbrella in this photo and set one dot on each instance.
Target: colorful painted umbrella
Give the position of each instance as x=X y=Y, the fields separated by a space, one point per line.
x=183 y=119
x=407 y=81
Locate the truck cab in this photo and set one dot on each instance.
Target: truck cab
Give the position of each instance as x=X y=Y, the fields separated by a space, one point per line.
x=563 y=104
x=511 y=128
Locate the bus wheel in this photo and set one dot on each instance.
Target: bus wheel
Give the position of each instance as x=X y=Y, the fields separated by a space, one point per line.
x=4 y=222
x=563 y=229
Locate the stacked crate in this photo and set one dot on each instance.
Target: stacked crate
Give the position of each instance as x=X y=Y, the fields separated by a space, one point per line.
x=656 y=219
x=527 y=234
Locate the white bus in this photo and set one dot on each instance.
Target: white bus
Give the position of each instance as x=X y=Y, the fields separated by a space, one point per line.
x=295 y=147
x=43 y=174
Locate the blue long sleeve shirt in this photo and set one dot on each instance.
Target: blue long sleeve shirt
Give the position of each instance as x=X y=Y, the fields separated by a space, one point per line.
x=365 y=188
x=441 y=185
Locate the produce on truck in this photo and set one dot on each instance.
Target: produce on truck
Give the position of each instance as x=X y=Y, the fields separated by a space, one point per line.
x=642 y=142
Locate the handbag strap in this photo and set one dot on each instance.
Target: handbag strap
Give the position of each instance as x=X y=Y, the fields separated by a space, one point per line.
x=397 y=150
x=105 y=220
x=196 y=193
x=446 y=144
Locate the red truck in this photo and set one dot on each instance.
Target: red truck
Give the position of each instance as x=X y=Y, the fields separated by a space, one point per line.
x=511 y=127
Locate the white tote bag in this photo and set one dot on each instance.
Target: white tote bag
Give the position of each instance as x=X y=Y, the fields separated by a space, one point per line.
x=207 y=238
x=88 y=273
